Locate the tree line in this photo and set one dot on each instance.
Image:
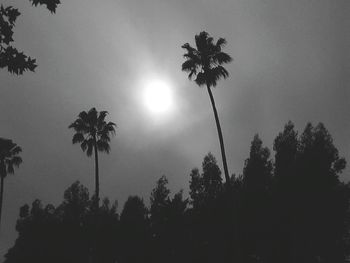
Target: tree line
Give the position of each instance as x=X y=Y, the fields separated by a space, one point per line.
x=289 y=207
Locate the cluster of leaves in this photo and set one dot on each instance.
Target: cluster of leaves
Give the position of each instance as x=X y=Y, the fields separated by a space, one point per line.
x=51 y=5
x=290 y=208
x=16 y=61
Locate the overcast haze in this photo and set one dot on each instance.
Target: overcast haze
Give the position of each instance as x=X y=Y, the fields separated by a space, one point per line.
x=291 y=62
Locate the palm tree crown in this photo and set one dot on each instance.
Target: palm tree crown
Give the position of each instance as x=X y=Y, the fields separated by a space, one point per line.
x=9 y=157
x=91 y=128
x=206 y=61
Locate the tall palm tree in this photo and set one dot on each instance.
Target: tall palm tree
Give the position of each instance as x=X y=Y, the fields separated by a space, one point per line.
x=9 y=159
x=205 y=63
x=93 y=133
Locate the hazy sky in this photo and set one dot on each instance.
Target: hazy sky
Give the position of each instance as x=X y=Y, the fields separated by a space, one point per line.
x=291 y=62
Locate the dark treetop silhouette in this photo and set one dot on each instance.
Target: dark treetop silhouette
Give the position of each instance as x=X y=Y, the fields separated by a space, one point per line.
x=93 y=133
x=205 y=63
x=15 y=61
x=8 y=160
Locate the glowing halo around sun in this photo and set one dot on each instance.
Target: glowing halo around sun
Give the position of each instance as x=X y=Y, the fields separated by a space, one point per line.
x=158 y=97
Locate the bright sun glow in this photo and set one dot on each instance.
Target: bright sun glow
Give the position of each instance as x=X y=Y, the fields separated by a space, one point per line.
x=158 y=97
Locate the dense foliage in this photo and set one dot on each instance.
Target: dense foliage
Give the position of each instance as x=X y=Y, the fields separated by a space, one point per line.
x=288 y=208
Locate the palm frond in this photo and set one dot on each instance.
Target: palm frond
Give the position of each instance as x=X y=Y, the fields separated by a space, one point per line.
x=83 y=115
x=5 y=147
x=16 y=149
x=10 y=163
x=92 y=117
x=102 y=115
x=105 y=137
x=16 y=160
x=220 y=43
x=10 y=169
x=220 y=71
x=221 y=58
x=210 y=42
x=103 y=146
x=201 y=41
x=101 y=119
x=201 y=79
x=189 y=48
x=89 y=150
x=84 y=145
x=78 y=138
x=80 y=126
x=109 y=128
x=190 y=66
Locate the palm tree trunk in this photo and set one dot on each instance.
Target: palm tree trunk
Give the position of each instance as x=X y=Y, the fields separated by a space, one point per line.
x=227 y=177
x=97 y=181
x=93 y=251
x=1 y=194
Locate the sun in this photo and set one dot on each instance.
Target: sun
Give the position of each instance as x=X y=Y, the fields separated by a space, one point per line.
x=158 y=97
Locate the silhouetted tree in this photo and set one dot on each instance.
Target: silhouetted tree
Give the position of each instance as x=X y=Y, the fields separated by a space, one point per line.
x=109 y=233
x=159 y=199
x=168 y=224
x=257 y=172
x=205 y=63
x=135 y=239
x=286 y=145
x=285 y=188
x=15 y=61
x=75 y=224
x=196 y=189
x=205 y=188
x=176 y=235
x=212 y=181
x=93 y=133
x=159 y=218
x=255 y=211
x=9 y=159
x=207 y=222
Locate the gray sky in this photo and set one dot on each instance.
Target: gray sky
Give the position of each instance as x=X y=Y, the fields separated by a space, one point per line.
x=291 y=62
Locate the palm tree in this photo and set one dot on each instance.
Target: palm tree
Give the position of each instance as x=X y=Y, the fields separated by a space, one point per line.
x=8 y=160
x=93 y=134
x=205 y=63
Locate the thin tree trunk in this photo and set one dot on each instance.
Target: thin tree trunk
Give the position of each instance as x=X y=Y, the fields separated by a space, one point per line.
x=227 y=177
x=1 y=194
x=93 y=255
x=97 y=182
